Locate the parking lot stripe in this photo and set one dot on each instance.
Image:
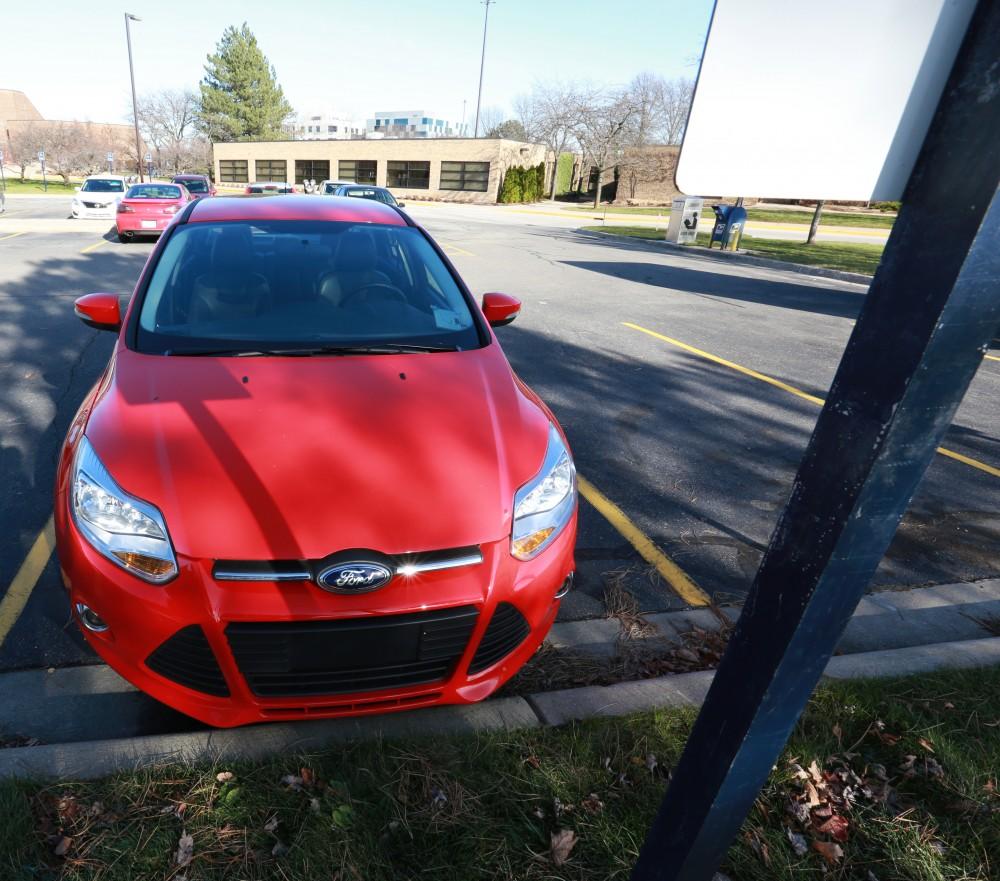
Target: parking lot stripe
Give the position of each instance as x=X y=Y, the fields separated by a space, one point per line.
x=991 y=357
x=94 y=246
x=16 y=597
x=683 y=586
x=13 y=235
x=951 y=454
x=457 y=249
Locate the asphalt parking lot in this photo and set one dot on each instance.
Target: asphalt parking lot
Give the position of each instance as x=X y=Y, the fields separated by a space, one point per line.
x=688 y=389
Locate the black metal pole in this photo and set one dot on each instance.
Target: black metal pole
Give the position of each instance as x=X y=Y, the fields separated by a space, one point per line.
x=135 y=104
x=929 y=316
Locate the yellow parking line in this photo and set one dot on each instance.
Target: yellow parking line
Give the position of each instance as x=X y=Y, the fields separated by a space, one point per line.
x=951 y=454
x=94 y=246
x=13 y=235
x=457 y=250
x=683 y=586
x=991 y=357
x=16 y=597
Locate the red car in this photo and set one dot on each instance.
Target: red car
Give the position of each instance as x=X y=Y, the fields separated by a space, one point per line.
x=308 y=482
x=147 y=209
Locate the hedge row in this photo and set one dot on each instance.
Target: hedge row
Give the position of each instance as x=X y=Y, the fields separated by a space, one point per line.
x=523 y=184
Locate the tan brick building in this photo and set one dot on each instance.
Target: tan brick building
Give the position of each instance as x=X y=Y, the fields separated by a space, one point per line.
x=448 y=169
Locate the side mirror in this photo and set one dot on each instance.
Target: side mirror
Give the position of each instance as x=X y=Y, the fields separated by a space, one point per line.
x=500 y=309
x=400 y=204
x=100 y=311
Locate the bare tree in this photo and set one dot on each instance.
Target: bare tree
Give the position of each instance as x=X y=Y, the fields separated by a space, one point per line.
x=815 y=221
x=603 y=125
x=675 y=104
x=490 y=119
x=167 y=123
x=23 y=144
x=548 y=115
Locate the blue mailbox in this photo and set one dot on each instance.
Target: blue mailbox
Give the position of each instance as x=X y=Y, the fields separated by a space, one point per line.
x=729 y=223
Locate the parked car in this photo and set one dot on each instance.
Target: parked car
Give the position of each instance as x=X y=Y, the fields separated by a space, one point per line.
x=329 y=187
x=308 y=482
x=360 y=191
x=147 y=209
x=267 y=188
x=198 y=185
x=98 y=196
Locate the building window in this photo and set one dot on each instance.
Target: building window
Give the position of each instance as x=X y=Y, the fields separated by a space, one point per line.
x=311 y=169
x=271 y=169
x=233 y=171
x=361 y=171
x=465 y=176
x=409 y=175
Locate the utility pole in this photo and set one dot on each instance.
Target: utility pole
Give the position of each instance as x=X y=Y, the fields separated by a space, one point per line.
x=482 y=62
x=135 y=104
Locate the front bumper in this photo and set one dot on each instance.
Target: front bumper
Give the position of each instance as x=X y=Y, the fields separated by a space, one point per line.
x=82 y=212
x=142 y=618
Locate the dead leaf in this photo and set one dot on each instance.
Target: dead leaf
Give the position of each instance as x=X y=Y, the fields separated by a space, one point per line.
x=836 y=827
x=538 y=812
x=292 y=780
x=948 y=705
x=799 y=810
x=314 y=805
x=815 y=773
x=68 y=808
x=224 y=776
x=279 y=849
x=830 y=851
x=838 y=732
x=812 y=794
x=932 y=768
x=185 y=850
x=992 y=724
x=533 y=761
x=592 y=804
x=798 y=842
x=926 y=744
x=651 y=762
x=308 y=777
x=272 y=824
x=562 y=843
x=62 y=846
x=802 y=775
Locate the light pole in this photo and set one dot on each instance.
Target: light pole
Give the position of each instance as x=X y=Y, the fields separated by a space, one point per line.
x=482 y=62
x=135 y=104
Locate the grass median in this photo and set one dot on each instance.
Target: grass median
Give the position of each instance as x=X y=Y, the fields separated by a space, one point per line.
x=35 y=187
x=887 y=780
x=846 y=256
x=769 y=215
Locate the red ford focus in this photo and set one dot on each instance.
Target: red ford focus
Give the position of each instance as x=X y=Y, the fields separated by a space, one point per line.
x=308 y=483
x=147 y=209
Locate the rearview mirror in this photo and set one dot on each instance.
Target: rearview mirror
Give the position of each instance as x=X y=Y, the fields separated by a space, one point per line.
x=100 y=311
x=500 y=309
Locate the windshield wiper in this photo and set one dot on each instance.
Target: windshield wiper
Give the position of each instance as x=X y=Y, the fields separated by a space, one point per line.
x=306 y=351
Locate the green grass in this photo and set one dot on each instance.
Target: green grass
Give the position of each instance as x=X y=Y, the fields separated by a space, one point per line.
x=56 y=185
x=774 y=215
x=847 y=256
x=486 y=806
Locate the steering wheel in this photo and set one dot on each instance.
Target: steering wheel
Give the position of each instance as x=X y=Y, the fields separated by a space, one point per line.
x=375 y=290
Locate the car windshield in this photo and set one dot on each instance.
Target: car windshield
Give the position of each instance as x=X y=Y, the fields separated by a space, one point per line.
x=99 y=185
x=242 y=287
x=153 y=191
x=330 y=189
x=195 y=185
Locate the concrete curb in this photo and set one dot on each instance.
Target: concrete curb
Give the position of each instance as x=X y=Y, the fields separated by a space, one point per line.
x=92 y=759
x=747 y=260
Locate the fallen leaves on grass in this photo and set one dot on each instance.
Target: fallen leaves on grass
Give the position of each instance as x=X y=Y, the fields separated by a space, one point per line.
x=562 y=843
x=62 y=846
x=798 y=842
x=224 y=776
x=185 y=850
x=829 y=850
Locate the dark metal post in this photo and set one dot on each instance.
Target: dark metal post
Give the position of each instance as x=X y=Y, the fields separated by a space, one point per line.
x=135 y=104
x=482 y=63
x=929 y=315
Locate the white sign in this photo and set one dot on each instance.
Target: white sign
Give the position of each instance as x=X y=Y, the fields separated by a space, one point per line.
x=41 y=155
x=840 y=112
x=149 y=157
x=684 y=216
x=111 y=157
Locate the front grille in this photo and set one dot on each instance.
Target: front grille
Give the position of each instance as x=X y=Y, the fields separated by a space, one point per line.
x=187 y=659
x=506 y=632
x=296 y=658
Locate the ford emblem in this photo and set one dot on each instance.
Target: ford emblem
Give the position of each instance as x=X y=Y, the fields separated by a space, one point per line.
x=354 y=577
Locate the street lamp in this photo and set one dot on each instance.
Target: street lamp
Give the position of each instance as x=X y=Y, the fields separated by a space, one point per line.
x=482 y=62
x=135 y=104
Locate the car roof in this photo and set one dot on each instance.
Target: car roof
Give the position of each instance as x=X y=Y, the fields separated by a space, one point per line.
x=104 y=177
x=190 y=177
x=335 y=208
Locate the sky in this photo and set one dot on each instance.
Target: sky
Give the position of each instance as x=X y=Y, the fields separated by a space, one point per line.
x=349 y=56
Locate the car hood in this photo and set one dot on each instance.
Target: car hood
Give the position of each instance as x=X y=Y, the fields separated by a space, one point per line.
x=296 y=458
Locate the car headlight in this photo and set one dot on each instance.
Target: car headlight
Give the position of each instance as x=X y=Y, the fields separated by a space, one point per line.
x=126 y=530
x=545 y=504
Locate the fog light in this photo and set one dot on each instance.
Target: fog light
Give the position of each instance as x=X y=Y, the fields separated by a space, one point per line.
x=565 y=587
x=91 y=620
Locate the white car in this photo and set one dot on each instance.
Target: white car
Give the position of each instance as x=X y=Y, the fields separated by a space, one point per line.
x=329 y=187
x=98 y=197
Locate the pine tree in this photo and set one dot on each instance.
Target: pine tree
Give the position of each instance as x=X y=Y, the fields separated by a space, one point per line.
x=240 y=96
